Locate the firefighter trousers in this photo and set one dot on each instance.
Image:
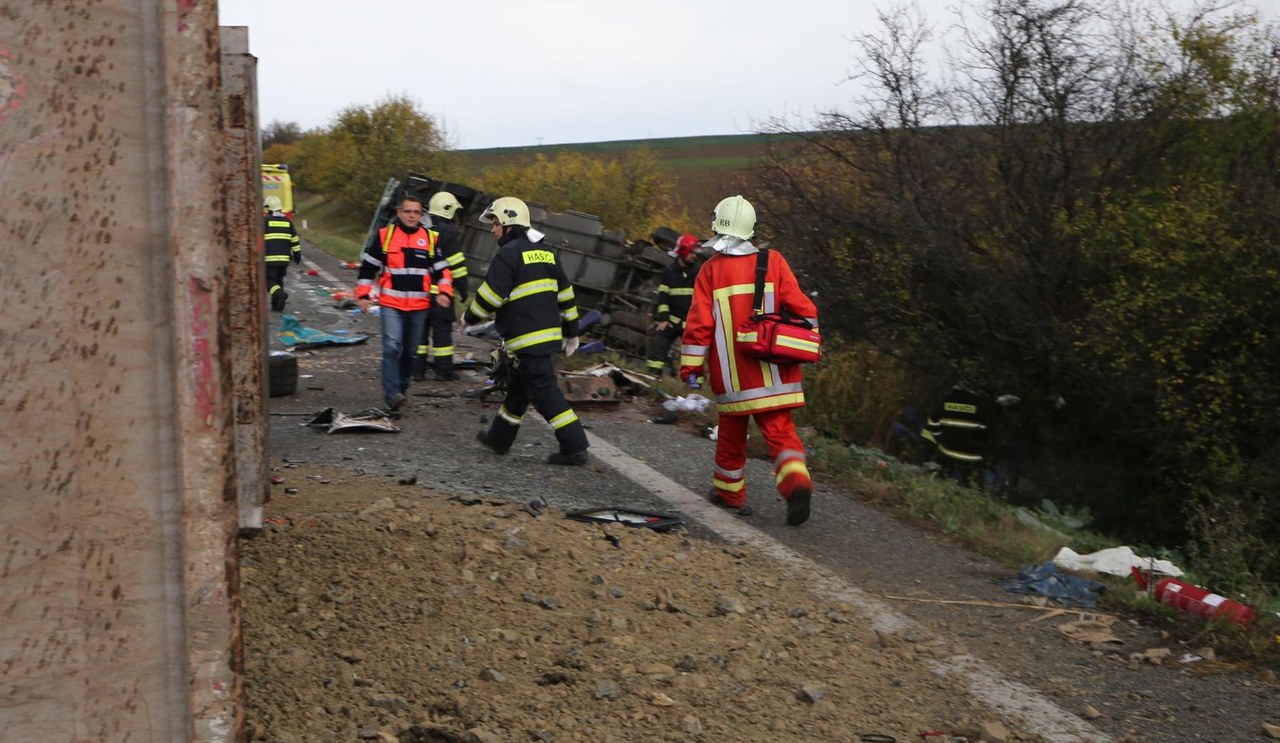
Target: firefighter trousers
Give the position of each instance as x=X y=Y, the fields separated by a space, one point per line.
x=436 y=347
x=785 y=448
x=659 y=353
x=533 y=380
x=275 y=285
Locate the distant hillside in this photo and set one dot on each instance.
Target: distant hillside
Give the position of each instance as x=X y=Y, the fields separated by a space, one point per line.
x=706 y=168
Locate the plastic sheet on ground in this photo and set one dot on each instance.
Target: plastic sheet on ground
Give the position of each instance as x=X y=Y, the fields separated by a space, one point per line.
x=367 y=420
x=297 y=337
x=1063 y=589
x=1113 y=561
x=694 y=403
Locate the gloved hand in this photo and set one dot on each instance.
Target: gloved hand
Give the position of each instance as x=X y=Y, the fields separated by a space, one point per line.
x=692 y=382
x=478 y=328
x=570 y=345
x=297 y=258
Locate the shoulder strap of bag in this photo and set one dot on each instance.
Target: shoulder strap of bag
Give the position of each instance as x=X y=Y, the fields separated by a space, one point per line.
x=762 y=266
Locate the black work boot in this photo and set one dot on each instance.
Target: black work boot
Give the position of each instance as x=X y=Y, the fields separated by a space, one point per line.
x=278 y=299
x=718 y=500
x=576 y=459
x=798 y=506
x=419 y=368
x=483 y=438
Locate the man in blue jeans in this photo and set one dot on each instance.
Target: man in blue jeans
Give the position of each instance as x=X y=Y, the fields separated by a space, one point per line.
x=399 y=259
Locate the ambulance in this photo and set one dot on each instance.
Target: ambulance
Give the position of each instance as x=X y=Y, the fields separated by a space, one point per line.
x=276 y=182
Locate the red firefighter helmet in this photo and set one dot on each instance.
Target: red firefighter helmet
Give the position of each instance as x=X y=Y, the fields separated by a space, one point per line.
x=685 y=246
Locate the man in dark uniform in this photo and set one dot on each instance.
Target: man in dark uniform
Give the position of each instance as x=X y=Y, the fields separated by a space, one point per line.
x=958 y=428
x=531 y=301
x=282 y=245
x=441 y=210
x=675 y=293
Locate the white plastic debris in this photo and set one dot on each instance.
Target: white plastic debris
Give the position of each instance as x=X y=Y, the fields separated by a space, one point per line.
x=694 y=403
x=1113 y=561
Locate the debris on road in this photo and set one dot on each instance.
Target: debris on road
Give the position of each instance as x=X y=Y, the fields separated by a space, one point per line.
x=1045 y=580
x=629 y=517
x=297 y=337
x=1113 y=561
x=367 y=420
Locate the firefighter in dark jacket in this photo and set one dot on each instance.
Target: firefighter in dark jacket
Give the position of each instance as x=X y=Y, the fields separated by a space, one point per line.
x=675 y=293
x=958 y=428
x=531 y=301
x=282 y=245
x=440 y=211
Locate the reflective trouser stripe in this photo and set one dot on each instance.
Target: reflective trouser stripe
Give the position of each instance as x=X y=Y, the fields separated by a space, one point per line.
x=795 y=466
x=509 y=418
x=564 y=419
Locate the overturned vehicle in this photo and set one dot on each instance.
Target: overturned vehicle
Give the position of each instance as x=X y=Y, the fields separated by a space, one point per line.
x=614 y=276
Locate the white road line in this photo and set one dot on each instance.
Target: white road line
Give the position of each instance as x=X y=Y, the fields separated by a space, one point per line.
x=313 y=266
x=1034 y=712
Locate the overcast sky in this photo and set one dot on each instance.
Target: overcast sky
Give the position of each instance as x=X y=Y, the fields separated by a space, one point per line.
x=506 y=73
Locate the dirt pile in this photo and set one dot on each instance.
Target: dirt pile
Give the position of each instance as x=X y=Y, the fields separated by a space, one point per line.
x=386 y=612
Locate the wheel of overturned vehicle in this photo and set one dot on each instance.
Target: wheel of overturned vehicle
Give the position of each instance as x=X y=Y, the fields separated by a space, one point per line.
x=282 y=374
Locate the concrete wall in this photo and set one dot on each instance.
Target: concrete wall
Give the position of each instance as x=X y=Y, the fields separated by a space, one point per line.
x=118 y=604
x=247 y=279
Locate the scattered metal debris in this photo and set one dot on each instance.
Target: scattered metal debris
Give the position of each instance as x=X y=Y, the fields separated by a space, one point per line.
x=610 y=515
x=371 y=419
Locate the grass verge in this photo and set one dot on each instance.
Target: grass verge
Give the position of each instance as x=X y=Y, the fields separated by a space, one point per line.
x=323 y=224
x=1018 y=537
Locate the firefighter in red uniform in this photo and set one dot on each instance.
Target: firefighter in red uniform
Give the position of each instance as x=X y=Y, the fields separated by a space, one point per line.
x=401 y=257
x=745 y=387
x=675 y=292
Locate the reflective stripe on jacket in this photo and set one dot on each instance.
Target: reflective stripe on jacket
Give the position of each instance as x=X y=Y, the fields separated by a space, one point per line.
x=675 y=293
x=449 y=254
x=958 y=426
x=529 y=297
x=722 y=300
x=279 y=238
x=401 y=264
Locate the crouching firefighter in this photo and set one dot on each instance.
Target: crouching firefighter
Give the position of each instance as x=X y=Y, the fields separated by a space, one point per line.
x=437 y=341
x=675 y=293
x=958 y=428
x=531 y=301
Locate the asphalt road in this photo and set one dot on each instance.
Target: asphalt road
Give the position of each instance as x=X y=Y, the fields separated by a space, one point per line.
x=1065 y=691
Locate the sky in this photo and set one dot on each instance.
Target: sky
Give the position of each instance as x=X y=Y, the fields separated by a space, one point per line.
x=511 y=73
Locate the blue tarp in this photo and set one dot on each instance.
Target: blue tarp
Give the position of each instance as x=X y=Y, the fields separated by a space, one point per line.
x=296 y=337
x=1063 y=588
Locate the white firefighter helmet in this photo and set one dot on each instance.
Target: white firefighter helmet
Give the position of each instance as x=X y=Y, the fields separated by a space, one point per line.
x=443 y=204
x=508 y=211
x=734 y=216
x=272 y=203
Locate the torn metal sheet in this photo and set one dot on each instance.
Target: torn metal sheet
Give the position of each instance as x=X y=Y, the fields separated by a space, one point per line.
x=366 y=420
x=621 y=377
x=589 y=391
x=629 y=517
